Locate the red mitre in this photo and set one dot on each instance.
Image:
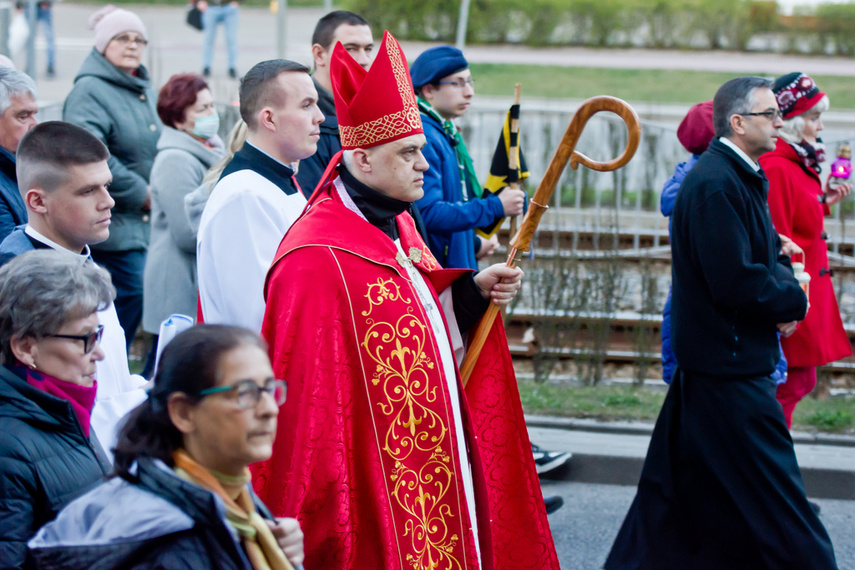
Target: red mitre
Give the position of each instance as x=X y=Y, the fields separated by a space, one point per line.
x=377 y=106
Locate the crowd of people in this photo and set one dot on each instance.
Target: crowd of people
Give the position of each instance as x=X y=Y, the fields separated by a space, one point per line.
x=328 y=251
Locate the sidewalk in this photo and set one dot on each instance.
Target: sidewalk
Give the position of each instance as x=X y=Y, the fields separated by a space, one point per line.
x=614 y=453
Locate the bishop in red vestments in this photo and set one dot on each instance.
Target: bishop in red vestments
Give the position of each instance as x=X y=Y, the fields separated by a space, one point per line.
x=385 y=459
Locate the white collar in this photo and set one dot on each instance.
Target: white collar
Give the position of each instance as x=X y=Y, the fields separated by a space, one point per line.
x=741 y=153
x=52 y=244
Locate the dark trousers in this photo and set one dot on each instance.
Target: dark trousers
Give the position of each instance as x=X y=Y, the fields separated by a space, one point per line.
x=721 y=487
x=126 y=269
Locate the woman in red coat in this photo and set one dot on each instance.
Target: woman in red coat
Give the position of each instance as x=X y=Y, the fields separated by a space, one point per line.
x=798 y=202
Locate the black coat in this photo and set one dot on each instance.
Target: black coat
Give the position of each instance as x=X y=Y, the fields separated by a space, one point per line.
x=731 y=285
x=159 y=521
x=45 y=462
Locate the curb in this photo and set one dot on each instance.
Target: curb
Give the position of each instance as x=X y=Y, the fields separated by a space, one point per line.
x=608 y=467
x=646 y=428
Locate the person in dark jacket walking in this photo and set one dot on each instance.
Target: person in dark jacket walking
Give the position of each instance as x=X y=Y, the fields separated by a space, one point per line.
x=182 y=498
x=721 y=487
x=49 y=344
x=113 y=99
x=695 y=134
x=18 y=108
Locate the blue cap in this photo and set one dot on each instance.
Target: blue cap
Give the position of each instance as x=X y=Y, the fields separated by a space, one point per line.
x=435 y=63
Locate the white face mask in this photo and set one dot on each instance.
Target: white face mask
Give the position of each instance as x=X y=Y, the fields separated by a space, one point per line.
x=206 y=127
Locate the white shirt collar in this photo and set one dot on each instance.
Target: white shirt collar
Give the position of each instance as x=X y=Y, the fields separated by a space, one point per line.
x=53 y=245
x=741 y=153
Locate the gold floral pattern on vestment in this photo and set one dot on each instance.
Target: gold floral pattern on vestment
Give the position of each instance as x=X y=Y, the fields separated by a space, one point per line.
x=407 y=378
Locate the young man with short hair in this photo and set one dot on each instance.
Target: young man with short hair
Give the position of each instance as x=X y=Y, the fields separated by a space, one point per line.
x=257 y=198
x=63 y=175
x=453 y=206
x=354 y=33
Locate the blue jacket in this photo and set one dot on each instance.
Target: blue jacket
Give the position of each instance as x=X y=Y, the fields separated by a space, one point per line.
x=13 y=212
x=666 y=205
x=449 y=217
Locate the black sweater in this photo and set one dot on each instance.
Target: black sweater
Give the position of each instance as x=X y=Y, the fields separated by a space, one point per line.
x=731 y=285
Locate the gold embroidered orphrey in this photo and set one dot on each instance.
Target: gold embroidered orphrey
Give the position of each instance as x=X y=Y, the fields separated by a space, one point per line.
x=393 y=124
x=406 y=390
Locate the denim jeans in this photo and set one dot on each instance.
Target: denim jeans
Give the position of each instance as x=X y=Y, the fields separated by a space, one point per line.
x=45 y=16
x=213 y=16
x=126 y=269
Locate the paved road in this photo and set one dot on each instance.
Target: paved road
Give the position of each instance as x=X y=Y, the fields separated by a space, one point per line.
x=587 y=524
x=177 y=48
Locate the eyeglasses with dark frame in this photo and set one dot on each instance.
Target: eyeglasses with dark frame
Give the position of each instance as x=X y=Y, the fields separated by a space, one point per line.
x=125 y=39
x=247 y=393
x=772 y=114
x=459 y=84
x=88 y=339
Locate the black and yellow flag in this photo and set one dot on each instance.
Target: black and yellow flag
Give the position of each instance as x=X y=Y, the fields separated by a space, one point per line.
x=501 y=174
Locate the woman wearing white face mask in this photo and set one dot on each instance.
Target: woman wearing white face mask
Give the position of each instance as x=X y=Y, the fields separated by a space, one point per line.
x=187 y=148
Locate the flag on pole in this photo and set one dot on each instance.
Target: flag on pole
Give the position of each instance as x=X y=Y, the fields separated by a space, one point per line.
x=501 y=174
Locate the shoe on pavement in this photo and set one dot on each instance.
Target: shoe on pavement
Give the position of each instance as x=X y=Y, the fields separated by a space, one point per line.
x=51 y=73
x=233 y=73
x=553 y=503
x=206 y=72
x=545 y=461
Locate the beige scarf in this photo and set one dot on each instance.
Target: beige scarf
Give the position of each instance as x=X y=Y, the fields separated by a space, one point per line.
x=258 y=541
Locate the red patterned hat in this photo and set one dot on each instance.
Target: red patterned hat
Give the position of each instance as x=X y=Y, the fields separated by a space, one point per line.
x=796 y=93
x=377 y=106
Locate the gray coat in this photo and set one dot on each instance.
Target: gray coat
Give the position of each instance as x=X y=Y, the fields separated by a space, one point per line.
x=169 y=282
x=120 y=109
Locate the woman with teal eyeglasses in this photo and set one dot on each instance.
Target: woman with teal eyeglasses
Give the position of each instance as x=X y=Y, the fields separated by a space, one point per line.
x=182 y=496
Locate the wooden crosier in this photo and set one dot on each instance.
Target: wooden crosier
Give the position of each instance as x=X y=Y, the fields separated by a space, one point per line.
x=521 y=242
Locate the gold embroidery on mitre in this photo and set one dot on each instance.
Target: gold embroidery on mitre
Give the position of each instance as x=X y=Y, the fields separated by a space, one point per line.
x=408 y=376
x=393 y=124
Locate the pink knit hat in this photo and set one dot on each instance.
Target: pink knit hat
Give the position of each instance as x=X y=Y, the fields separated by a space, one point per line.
x=109 y=22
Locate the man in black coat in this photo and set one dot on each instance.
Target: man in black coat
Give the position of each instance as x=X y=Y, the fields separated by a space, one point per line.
x=721 y=487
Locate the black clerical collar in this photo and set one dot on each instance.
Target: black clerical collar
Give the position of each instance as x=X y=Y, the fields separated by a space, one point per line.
x=379 y=210
x=251 y=158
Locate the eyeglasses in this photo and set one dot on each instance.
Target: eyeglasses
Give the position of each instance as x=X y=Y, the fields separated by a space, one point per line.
x=125 y=39
x=772 y=115
x=459 y=84
x=247 y=393
x=88 y=339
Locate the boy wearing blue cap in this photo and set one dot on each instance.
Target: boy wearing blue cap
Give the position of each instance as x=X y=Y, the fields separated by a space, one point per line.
x=452 y=206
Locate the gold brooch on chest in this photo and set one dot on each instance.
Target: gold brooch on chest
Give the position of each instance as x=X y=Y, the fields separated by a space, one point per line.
x=414 y=256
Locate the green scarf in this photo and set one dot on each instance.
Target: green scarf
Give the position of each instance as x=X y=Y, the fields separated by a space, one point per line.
x=468 y=180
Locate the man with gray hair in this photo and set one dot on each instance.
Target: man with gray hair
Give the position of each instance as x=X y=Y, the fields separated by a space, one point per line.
x=18 y=110
x=721 y=487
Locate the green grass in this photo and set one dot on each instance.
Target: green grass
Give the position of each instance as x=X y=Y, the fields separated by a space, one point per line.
x=612 y=403
x=647 y=85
